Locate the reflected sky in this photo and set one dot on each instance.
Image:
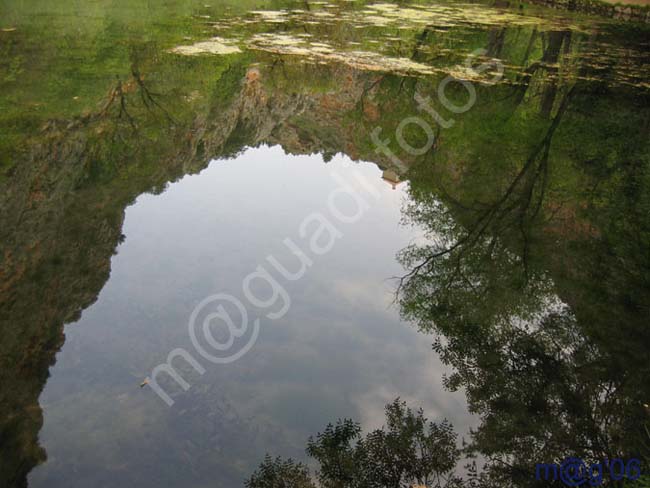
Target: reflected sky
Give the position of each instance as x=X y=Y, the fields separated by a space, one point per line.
x=93 y=114
x=341 y=350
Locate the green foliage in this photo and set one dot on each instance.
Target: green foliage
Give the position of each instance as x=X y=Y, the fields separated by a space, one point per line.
x=642 y=482
x=409 y=450
x=277 y=473
x=573 y=230
x=339 y=455
x=536 y=282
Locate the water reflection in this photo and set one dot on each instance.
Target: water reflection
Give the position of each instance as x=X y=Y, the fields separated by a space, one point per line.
x=337 y=352
x=541 y=311
x=540 y=192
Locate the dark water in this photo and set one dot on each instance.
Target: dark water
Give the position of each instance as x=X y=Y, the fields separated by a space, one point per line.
x=155 y=155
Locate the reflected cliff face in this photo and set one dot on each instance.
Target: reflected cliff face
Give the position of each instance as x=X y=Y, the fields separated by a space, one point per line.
x=533 y=276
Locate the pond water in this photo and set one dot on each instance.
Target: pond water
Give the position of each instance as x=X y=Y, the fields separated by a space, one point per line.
x=340 y=350
x=365 y=180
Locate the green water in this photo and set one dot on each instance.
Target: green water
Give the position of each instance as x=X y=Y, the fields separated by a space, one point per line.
x=153 y=154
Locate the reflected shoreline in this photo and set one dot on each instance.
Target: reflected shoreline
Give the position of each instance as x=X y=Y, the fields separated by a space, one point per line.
x=538 y=196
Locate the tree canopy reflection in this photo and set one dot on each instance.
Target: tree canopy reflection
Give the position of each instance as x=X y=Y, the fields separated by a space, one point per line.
x=535 y=276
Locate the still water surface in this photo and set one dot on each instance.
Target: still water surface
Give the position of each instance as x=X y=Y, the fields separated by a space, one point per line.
x=154 y=155
x=340 y=351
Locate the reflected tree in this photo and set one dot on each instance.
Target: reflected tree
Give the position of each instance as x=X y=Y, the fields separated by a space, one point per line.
x=279 y=473
x=547 y=377
x=408 y=451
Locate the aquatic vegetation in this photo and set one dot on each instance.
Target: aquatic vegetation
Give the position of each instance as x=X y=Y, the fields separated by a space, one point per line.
x=94 y=115
x=320 y=52
x=216 y=45
x=388 y=35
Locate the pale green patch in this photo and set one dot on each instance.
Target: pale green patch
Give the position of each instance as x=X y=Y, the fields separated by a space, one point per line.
x=320 y=52
x=448 y=16
x=216 y=45
x=273 y=16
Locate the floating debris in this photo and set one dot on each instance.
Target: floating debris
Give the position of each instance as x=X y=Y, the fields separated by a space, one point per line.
x=320 y=51
x=442 y=15
x=216 y=45
x=273 y=16
x=383 y=51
